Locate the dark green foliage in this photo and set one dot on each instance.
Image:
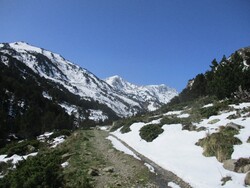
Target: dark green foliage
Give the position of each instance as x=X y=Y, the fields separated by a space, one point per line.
x=214 y=110
x=248 y=140
x=170 y=120
x=23 y=109
x=227 y=77
x=21 y=148
x=221 y=81
x=220 y=144
x=175 y=120
x=150 y=132
x=209 y=111
x=214 y=65
x=44 y=170
x=197 y=89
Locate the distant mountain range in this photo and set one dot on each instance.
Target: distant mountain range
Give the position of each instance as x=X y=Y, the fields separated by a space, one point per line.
x=74 y=89
x=151 y=96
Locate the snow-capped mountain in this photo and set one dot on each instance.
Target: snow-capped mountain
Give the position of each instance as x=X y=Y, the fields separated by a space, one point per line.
x=153 y=96
x=79 y=81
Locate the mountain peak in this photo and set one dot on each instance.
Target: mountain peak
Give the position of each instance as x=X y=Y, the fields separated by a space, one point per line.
x=153 y=95
x=119 y=83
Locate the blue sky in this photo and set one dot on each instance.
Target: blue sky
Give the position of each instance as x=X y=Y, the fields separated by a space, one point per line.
x=143 y=41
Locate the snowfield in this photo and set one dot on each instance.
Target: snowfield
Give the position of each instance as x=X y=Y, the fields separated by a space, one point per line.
x=175 y=150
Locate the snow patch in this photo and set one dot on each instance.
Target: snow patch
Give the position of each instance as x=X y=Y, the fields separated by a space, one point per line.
x=152 y=107
x=173 y=185
x=43 y=137
x=173 y=113
x=65 y=164
x=183 y=116
x=151 y=168
x=70 y=109
x=46 y=95
x=241 y=106
x=58 y=140
x=5 y=60
x=208 y=105
x=97 y=115
x=14 y=159
x=104 y=128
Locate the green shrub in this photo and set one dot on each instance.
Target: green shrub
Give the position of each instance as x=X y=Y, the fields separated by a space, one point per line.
x=248 y=140
x=43 y=170
x=20 y=148
x=170 y=120
x=150 y=132
x=175 y=120
x=209 y=111
x=215 y=109
x=220 y=144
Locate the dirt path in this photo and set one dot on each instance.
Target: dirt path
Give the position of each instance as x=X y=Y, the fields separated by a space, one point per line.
x=163 y=176
x=94 y=160
x=128 y=171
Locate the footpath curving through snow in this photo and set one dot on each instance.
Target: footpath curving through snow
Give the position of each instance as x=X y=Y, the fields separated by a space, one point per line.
x=175 y=150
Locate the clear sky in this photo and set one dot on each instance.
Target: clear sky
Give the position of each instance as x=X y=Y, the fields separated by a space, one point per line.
x=143 y=41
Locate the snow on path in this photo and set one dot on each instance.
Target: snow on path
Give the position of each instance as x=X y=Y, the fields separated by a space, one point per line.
x=119 y=146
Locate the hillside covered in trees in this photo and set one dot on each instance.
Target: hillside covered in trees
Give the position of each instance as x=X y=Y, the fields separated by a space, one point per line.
x=227 y=78
x=31 y=105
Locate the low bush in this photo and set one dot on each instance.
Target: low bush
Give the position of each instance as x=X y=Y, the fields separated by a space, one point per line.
x=43 y=170
x=21 y=148
x=215 y=109
x=209 y=111
x=175 y=120
x=170 y=120
x=220 y=144
x=150 y=132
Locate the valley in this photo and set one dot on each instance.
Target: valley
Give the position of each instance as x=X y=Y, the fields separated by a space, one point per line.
x=62 y=126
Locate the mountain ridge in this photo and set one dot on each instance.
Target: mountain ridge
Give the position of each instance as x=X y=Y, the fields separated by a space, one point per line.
x=155 y=95
x=77 y=80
